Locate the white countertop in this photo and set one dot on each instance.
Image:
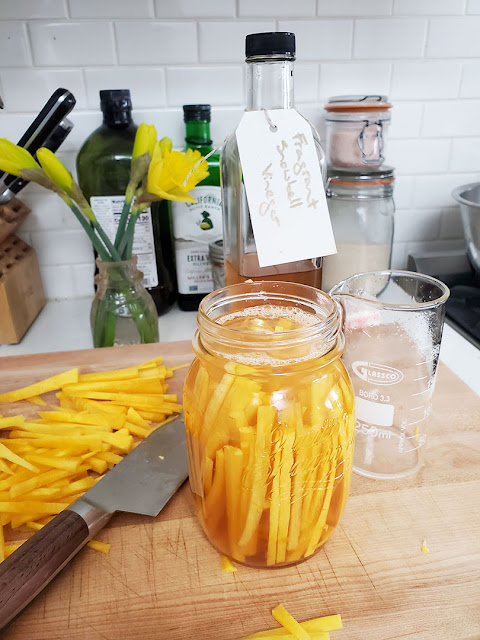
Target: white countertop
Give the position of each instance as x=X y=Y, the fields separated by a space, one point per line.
x=64 y=325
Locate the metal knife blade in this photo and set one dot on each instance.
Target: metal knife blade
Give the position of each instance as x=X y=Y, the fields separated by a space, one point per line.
x=144 y=481
x=57 y=107
x=53 y=142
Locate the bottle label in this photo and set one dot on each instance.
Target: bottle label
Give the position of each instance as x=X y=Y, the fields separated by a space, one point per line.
x=284 y=187
x=108 y=210
x=195 y=225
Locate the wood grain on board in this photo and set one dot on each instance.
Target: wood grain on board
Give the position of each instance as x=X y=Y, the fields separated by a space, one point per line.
x=162 y=579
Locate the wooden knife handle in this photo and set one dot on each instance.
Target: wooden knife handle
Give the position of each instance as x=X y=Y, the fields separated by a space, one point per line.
x=33 y=565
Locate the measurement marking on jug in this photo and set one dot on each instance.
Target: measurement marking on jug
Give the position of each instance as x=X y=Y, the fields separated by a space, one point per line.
x=374 y=396
x=422 y=406
x=374 y=432
x=419 y=364
x=422 y=378
x=420 y=392
x=413 y=448
x=417 y=421
x=403 y=432
x=416 y=436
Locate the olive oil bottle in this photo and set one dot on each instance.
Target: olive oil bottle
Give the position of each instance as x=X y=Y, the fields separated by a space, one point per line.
x=103 y=167
x=195 y=225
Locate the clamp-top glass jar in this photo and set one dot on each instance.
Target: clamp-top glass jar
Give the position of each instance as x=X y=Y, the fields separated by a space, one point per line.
x=269 y=416
x=357 y=127
x=362 y=213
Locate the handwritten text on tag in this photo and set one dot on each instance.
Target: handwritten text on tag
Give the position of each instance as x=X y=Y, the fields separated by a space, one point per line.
x=284 y=187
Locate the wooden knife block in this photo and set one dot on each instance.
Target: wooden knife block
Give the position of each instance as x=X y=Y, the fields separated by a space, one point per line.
x=11 y=215
x=21 y=290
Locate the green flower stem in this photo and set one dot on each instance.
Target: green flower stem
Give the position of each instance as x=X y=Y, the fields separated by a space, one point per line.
x=125 y=248
x=129 y=249
x=114 y=252
x=122 y=222
x=90 y=231
x=104 y=326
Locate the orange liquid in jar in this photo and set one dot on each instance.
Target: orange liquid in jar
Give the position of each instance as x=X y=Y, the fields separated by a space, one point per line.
x=302 y=272
x=270 y=442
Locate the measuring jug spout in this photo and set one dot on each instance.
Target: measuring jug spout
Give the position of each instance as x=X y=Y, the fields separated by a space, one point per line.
x=355 y=312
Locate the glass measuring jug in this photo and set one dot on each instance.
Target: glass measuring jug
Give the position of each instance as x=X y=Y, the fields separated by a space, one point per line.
x=393 y=322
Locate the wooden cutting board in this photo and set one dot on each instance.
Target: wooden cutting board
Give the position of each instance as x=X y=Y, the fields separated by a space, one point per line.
x=162 y=579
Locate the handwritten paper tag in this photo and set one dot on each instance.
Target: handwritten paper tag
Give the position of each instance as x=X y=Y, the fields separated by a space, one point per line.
x=284 y=187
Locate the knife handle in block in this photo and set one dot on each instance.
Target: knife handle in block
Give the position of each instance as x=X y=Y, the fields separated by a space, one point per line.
x=38 y=560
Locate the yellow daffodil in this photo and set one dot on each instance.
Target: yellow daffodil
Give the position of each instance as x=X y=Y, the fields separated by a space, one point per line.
x=55 y=170
x=172 y=174
x=145 y=140
x=63 y=179
x=143 y=147
x=13 y=158
x=165 y=144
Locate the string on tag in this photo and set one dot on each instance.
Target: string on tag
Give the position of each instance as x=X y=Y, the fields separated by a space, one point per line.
x=273 y=127
x=197 y=164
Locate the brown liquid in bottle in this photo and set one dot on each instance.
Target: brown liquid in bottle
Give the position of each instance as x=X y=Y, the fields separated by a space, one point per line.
x=302 y=272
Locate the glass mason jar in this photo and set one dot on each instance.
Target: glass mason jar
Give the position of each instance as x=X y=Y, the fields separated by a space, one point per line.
x=357 y=128
x=361 y=210
x=270 y=73
x=123 y=312
x=269 y=417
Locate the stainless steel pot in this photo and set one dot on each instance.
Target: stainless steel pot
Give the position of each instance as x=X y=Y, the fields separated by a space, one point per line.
x=468 y=196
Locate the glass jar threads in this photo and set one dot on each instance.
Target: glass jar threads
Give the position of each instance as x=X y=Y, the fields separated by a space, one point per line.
x=269 y=416
x=361 y=210
x=357 y=128
x=215 y=250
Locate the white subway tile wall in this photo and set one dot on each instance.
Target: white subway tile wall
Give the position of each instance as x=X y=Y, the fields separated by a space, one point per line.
x=278 y=8
x=110 y=9
x=321 y=39
x=423 y=54
x=68 y=44
x=33 y=9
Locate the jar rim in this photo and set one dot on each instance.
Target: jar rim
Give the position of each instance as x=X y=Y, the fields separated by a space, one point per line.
x=325 y=332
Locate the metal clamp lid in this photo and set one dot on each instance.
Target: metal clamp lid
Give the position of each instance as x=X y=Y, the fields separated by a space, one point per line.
x=382 y=177
x=363 y=102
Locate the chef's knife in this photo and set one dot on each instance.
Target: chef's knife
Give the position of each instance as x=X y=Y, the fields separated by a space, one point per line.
x=57 y=107
x=53 y=142
x=142 y=482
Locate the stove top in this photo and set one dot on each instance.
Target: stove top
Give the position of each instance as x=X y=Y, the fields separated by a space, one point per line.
x=454 y=269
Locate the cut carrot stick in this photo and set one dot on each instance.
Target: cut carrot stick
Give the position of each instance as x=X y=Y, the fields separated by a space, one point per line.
x=233 y=478
x=282 y=616
x=49 y=384
x=265 y=419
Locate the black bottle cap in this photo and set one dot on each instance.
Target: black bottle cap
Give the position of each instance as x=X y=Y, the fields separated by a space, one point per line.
x=271 y=43
x=120 y=97
x=196 y=112
x=116 y=106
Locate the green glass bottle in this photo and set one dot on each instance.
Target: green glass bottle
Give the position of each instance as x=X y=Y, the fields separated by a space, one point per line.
x=195 y=225
x=103 y=168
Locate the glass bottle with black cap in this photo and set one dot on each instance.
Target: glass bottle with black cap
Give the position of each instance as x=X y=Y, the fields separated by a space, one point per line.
x=196 y=225
x=270 y=60
x=103 y=167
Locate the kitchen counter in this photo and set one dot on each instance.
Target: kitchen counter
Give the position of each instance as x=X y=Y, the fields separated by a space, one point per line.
x=63 y=325
x=162 y=579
